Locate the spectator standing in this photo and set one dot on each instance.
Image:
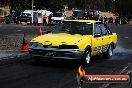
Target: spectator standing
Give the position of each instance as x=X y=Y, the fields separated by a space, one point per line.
x=116 y=21
x=49 y=22
x=105 y=20
x=101 y=19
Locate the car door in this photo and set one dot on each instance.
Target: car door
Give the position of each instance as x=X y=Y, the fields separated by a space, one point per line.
x=106 y=37
x=112 y=36
x=97 y=40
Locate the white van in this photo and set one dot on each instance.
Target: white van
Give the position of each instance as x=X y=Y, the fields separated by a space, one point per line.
x=58 y=17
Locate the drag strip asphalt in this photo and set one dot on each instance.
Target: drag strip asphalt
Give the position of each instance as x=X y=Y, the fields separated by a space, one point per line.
x=23 y=72
x=14 y=58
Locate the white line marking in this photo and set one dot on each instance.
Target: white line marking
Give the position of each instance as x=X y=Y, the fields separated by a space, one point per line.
x=129 y=72
x=122 y=71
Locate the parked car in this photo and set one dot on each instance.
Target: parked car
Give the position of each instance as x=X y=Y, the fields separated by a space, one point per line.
x=25 y=17
x=11 y=18
x=78 y=14
x=75 y=39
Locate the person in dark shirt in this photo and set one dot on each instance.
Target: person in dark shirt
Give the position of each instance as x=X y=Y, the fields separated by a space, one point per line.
x=116 y=21
x=49 y=22
x=101 y=19
x=105 y=20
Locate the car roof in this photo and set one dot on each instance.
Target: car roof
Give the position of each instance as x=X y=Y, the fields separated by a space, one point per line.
x=89 y=21
x=59 y=12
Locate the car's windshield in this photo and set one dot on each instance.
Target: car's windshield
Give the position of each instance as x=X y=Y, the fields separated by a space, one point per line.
x=78 y=13
x=74 y=28
x=25 y=14
x=57 y=14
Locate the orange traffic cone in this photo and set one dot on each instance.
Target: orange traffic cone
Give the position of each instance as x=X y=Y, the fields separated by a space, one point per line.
x=40 y=31
x=24 y=47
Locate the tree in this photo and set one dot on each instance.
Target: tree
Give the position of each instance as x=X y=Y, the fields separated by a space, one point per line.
x=4 y=3
x=124 y=8
x=52 y=5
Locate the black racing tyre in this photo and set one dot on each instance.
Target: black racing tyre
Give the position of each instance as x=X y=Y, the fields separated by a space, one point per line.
x=86 y=59
x=109 y=52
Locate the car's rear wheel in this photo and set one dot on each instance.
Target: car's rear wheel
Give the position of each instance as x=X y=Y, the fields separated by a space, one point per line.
x=109 y=52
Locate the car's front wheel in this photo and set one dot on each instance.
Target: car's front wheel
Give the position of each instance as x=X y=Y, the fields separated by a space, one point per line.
x=86 y=59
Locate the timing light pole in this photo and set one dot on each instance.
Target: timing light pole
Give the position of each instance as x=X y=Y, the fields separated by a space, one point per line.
x=32 y=10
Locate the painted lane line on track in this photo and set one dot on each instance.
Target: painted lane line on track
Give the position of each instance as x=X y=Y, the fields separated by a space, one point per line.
x=126 y=37
x=129 y=72
x=122 y=71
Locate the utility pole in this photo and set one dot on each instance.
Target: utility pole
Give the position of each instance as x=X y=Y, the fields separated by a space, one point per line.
x=32 y=10
x=85 y=5
x=3 y=12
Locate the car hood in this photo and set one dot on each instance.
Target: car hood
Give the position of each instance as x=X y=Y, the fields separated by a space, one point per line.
x=57 y=18
x=58 y=39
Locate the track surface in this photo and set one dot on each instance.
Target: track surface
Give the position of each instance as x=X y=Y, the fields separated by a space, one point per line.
x=62 y=74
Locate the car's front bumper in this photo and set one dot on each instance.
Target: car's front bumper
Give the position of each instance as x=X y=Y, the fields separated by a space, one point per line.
x=55 y=21
x=57 y=53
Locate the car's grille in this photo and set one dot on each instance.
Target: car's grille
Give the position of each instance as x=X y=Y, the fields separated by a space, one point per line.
x=48 y=46
x=57 y=21
x=68 y=47
x=52 y=53
x=62 y=46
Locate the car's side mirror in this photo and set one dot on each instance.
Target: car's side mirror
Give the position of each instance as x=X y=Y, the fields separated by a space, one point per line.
x=97 y=35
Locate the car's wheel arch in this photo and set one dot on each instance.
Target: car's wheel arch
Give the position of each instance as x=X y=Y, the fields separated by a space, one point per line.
x=113 y=45
x=88 y=47
x=85 y=60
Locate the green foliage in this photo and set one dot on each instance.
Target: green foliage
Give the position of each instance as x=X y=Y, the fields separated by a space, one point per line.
x=122 y=7
x=4 y=2
x=52 y=5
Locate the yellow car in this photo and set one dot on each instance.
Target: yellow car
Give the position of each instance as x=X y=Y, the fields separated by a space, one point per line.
x=75 y=39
